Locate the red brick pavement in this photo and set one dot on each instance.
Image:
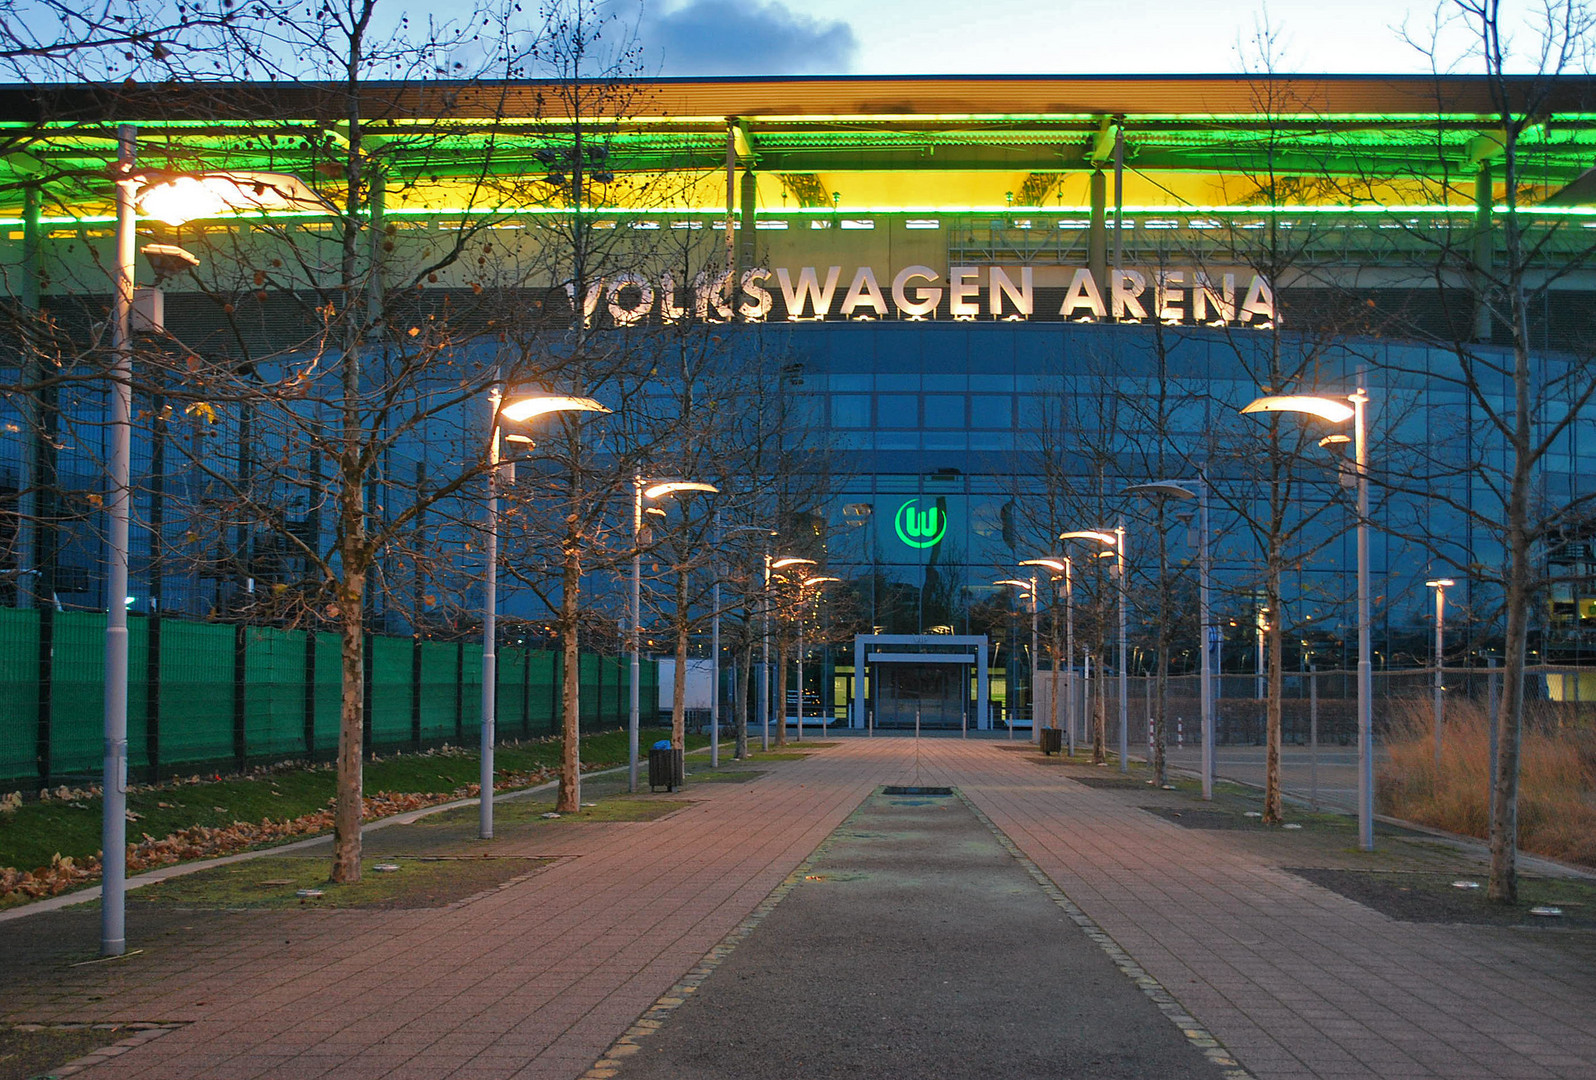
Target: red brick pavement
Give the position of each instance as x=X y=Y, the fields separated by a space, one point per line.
x=538 y=978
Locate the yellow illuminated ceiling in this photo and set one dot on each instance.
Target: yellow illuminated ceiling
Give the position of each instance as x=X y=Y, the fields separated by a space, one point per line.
x=822 y=144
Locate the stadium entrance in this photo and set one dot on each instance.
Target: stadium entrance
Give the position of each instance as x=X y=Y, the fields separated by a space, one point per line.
x=920 y=680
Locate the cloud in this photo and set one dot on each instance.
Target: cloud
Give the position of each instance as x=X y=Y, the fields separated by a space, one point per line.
x=725 y=37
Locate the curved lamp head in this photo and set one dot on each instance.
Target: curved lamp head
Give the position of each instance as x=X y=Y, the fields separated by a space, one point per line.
x=1058 y=566
x=790 y=560
x=175 y=199
x=819 y=580
x=1015 y=583
x=1440 y=583
x=675 y=487
x=1162 y=489
x=1334 y=410
x=1107 y=539
x=524 y=406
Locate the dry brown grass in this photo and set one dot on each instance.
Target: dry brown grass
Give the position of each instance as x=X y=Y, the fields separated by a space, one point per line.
x=1557 y=782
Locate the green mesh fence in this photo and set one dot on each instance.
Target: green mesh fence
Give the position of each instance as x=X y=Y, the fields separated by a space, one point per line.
x=216 y=696
x=19 y=692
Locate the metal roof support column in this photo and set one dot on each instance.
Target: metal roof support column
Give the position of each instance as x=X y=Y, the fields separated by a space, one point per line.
x=1119 y=195
x=731 y=208
x=1097 y=238
x=747 y=256
x=1484 y=250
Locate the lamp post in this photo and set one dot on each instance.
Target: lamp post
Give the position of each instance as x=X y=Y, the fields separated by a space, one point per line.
x=715 y=635
x=174 y=198
x=1030 y=587
x=1339 y=411
x=1060 y=567
x=520 y=408
x=1176 y=489
x=1440 y=585
x=767 y=692
x=1116 y=541
x=643 y=489
x=803 y=609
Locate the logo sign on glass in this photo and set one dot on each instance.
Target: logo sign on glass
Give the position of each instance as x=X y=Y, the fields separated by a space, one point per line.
x=920 y=528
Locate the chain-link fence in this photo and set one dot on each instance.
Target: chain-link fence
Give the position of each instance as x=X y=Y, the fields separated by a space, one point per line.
x=1322 y=706
x=215 y=694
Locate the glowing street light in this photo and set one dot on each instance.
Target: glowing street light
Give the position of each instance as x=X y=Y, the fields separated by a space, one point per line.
x=644 y=489
x=1029 y=586
x=803 y=610
x=1060 y=567
x=1176 y=489
x=174 y=198
x=1338 y=411
x=519 y=406
x=1440 y=585
x=779 y=562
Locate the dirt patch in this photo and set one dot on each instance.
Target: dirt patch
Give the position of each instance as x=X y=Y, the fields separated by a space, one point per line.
x=286 y=882
x=1435 y=898
x=33 y=1051
x=1204 y=819
x=1108 y=782
x=725 y=776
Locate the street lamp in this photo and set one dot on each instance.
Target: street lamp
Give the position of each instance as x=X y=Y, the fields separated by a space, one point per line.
x=803 y=609
x=521 y=406
x=1440 y=585
x=644 y=489
x=714 y=705
x=1060 y=567
x=173 y=198
x=1116 y=541
x=1176 y=489
x=1339 y=411
x=765 y=695
x=1030 y=587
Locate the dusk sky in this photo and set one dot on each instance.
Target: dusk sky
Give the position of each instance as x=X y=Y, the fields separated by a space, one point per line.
x=710 y=37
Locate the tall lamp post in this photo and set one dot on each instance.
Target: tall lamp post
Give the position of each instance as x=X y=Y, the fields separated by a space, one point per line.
x=173 y=198
x=1029 y=586
x=767 y=694
x=1176 y=489
x=1114 y=543
x=1060 y=567
x=715 y=636
x=803 y=609
x=1339 y=411
x=521 y=407
x=1440 y=585
x=643 y=489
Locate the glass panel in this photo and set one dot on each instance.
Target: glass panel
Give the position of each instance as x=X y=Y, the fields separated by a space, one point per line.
x=944 y=411
x=991 y=411
x=898 y=410
x=850 y=410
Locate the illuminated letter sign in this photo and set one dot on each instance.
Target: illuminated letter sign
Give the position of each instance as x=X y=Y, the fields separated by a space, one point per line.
x=920 y=528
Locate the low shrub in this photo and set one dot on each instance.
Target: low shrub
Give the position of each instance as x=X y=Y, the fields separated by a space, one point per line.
x=1557 y=777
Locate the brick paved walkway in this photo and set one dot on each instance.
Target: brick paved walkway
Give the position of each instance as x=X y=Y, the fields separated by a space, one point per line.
x=537 y=978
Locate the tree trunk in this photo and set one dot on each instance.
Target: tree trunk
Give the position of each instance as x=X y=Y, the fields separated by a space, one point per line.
x=349 y=805
x=570 y=797
x=778 y=692
x=1272 y=808
x=743 y=667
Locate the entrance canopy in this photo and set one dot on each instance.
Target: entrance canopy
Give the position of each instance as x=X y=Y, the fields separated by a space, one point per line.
x=920 y=681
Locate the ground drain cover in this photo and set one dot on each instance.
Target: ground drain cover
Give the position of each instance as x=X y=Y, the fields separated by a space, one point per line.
x=944 y=791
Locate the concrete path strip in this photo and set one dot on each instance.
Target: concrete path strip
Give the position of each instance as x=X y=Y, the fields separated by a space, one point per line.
x=915 y=945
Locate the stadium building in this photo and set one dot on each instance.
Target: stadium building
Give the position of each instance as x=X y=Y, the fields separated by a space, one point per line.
x=996 y=302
